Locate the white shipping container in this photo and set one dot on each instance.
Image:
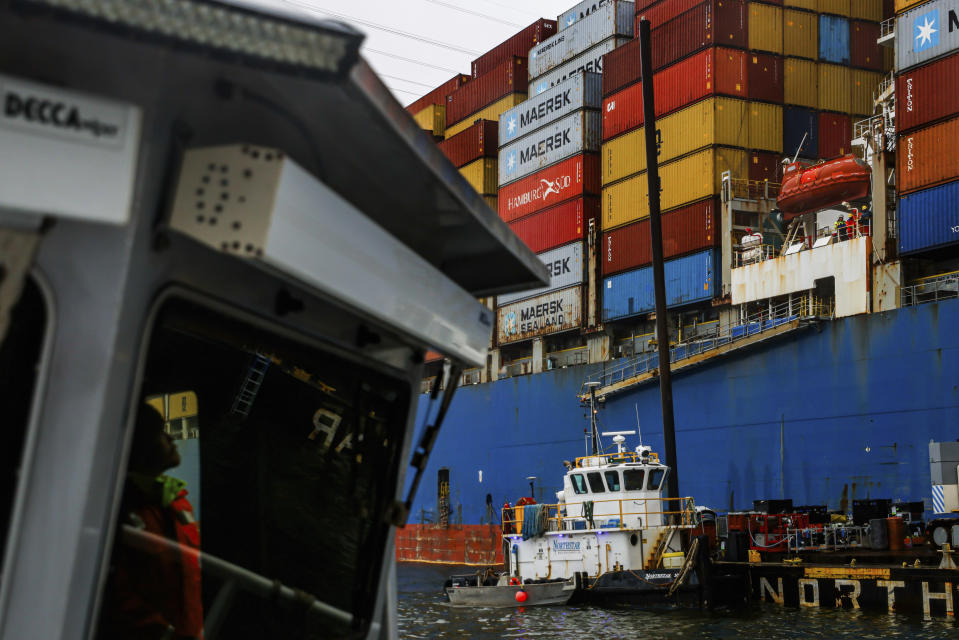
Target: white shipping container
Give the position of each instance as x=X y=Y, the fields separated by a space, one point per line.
x=565 y=266
x=576 y=133
x=929 y=31
x=550 y=313
x=578 y=12
x=612 y=19
x=583 y=91
x=591 y=61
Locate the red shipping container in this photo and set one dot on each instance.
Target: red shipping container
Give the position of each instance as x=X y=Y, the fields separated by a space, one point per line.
x=927 y=94
x=639 y=5
x=571 y=178
x=478 y=141
x=507 y=77
x=557 y=225
x=928 y=157
x=662 y=12
x=711 y=23
x=685 y=230
x=517 y=45
x=765 y=166
x=765 y=77
x=717 y=71
x=438 y=95
x=864 y=51
x=835 y=135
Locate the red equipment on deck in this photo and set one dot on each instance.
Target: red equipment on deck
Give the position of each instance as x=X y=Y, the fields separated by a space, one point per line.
x=807 y=188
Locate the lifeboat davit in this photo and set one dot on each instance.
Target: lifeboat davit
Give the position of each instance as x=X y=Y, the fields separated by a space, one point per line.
x=807 y=188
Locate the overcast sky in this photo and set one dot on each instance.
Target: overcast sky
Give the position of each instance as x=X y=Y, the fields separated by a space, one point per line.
x=414 y=45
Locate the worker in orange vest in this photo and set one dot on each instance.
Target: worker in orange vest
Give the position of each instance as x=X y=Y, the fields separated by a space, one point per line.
x=153 y=591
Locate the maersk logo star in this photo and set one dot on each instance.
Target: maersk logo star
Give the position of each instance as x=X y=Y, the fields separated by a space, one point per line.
x=511 y=162
x=511 y=127
x=927 y=35
x=570 y=20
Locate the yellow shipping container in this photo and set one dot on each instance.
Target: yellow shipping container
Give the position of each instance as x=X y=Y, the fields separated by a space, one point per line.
x=432 y=118
x=765 y=28
x=801 y=34
x=482 y=176
x=866 y=10
x=808 y=5
x=903 y=5
x=801 y=82
x=765 y=126
x=837 y=7
x=491 y=112
x=863 y=85
x=834 y=88
x=715 y=121
x=490 y=201
x=684 y=180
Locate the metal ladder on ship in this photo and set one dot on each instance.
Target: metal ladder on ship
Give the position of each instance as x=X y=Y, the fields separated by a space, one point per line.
x=251 y=385
x=661 y=545
x=794 y=231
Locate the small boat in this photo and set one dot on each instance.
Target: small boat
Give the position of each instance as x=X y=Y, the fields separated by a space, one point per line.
x=503 y=591
x=807 y=188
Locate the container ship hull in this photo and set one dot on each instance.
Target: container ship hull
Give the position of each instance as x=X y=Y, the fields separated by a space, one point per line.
x=827 y=414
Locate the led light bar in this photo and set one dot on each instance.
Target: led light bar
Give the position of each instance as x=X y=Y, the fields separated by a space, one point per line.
x=324 y=47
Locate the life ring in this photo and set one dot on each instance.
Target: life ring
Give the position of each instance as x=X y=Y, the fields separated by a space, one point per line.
x=514 y=581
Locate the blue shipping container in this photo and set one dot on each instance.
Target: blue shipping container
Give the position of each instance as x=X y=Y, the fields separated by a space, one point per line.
x=689 y=279
x=798 y=122
x=834 y=39
x=929 y=219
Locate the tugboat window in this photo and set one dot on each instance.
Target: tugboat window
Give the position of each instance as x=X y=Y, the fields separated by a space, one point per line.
x=655 y=478
x=20 y=352
x=633 y=479
x=612 y=480
x=596 y=482
x=579 y=485
x=292 y=447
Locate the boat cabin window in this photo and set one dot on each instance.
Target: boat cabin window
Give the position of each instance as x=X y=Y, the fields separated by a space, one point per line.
x=633 y=479
x=294 y=450
x=596 y=482
x=655 y=478
x=20 y=352
x=579 y=484
x=612 y=480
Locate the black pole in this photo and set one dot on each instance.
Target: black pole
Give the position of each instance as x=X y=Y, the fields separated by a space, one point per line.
x=656 y=236
x=592 y=418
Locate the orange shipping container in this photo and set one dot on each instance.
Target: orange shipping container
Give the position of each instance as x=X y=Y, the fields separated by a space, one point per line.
x=837 y=7
x=866 y=10
x=903 y=5
x=835 y=92
x=800 y=34
x=765 y=28
x=928 y=157
x=801 y=83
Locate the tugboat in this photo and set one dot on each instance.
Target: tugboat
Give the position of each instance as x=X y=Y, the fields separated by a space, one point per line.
x=492 y=590
x=611 y=531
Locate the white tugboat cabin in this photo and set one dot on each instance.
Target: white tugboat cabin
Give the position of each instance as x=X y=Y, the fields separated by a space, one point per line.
x=611 y=528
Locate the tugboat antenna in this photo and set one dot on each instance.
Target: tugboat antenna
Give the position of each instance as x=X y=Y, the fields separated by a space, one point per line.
x=638 y=429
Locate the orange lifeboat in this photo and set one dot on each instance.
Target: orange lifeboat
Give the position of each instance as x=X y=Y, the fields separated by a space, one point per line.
x=807 y=188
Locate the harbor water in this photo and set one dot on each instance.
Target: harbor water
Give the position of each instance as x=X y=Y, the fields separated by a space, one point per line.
x=424 y=613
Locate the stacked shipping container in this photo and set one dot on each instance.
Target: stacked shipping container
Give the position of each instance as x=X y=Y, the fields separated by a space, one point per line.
x=549 y=169
x=738 y=84
x=927 y=110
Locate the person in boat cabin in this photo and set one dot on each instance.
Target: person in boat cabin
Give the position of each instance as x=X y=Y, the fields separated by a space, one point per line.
x=154 y=592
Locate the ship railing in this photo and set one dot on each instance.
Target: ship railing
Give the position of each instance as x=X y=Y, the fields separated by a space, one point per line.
x=753 y=254
x=931 y=289
x=887 y=29
x=829 y=537
x=745 y=189
x=616 y=458
x=619 y=513
x=772 y=317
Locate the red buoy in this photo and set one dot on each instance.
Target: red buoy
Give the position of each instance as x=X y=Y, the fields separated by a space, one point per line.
x=521 y=596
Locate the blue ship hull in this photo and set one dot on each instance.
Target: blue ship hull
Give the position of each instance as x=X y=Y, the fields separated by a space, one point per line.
x=823 y=416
